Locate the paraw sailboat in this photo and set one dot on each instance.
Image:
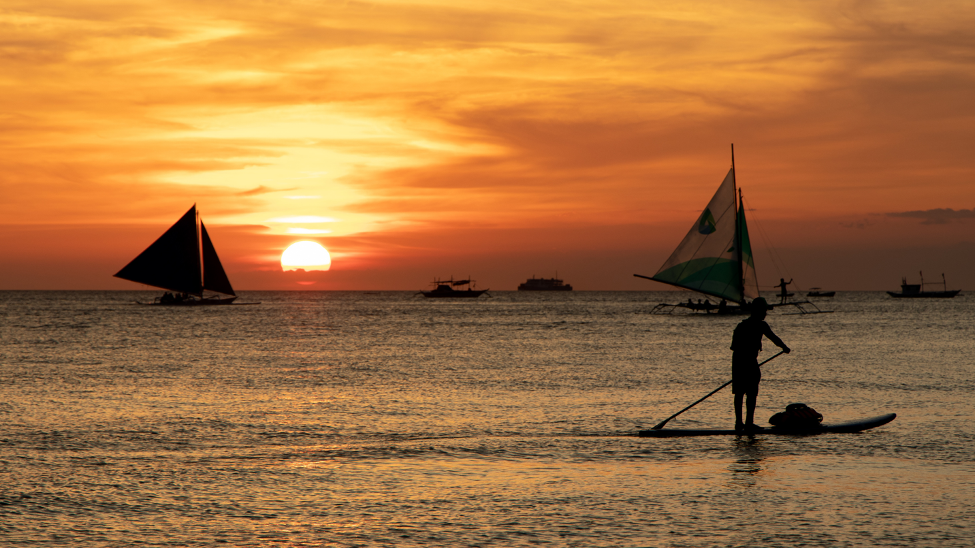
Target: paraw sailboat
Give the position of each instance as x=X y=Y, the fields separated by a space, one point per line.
x=183 y=260
x=715 y=257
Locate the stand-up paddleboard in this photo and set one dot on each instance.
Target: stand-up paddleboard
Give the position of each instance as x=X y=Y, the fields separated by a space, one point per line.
x=846 y=427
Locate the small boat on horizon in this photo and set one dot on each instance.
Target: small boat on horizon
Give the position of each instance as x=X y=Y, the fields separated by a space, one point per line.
x=817 y=292
x=445 y=289
x=918 y=291
x=544 y=284
x=173 y=262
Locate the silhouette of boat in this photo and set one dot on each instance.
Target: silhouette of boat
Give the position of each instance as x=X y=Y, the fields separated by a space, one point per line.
x=173 y=262
x=917 y=291
x=445 y=289
x=544 y=284
x=817 y=292
x=716 y=258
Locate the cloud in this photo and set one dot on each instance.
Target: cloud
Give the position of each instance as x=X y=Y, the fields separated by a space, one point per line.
x=262 y=190
x=858 y=224
x=936 y=216
x=436 y=115
x=303 y=219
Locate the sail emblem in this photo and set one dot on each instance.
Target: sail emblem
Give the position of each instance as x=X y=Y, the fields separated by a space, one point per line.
x=707 y=224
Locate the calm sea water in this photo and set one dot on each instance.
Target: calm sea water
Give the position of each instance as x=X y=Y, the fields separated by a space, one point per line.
x=386 y=419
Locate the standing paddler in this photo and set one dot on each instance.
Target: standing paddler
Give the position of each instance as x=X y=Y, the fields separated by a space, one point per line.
x=746 y=346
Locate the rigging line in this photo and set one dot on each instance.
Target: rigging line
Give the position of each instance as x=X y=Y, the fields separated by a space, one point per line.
x=774 y=255
x=772 y=251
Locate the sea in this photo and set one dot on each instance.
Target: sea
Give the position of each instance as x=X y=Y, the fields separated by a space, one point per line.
x=386 y=419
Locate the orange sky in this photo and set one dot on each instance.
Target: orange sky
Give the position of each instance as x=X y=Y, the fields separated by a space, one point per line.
x=428 y=139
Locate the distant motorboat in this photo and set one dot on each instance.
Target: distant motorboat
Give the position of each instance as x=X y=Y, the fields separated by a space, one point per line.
x=818 y=293
x=173 y=262
x=917 y=291
x=445 y=289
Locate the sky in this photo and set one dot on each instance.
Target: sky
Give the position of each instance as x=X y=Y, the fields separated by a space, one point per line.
x=494 y=140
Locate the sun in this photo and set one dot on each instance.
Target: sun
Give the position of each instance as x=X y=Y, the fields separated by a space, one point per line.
x=306 y=255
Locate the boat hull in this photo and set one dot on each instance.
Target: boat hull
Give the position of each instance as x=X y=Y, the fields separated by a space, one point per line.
x=710 y=309
x=192 y=303
x=454 y=293
x=562 y=288
x=846 y=427
x=545 y=285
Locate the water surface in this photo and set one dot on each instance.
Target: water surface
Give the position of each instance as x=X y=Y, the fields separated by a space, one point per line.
x=387 y=419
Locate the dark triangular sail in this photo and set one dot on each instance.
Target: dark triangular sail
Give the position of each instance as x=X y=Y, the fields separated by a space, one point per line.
x=214 y=277
x=172 y=262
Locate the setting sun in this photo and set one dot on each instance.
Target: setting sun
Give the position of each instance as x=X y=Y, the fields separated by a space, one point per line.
x=306 y=255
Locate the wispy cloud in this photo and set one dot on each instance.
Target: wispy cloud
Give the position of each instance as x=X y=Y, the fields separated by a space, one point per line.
x=303 y=219
x=261 y=190
x=858 y=224
x=935 y=216
x=303 y=231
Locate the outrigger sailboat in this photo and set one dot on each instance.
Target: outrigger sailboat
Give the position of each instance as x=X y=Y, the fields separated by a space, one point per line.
x=716 y=259
x=173 y=262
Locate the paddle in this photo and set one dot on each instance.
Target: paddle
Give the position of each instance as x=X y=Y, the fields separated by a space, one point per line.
x=661 y=424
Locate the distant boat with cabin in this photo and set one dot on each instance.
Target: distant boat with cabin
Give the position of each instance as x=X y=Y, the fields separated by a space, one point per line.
x=182 y=260
x=716 y=258
x=918 y=291
x=545 y=284
x=446 y=289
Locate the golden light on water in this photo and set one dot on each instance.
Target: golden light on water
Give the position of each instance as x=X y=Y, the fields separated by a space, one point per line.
x=306 y=255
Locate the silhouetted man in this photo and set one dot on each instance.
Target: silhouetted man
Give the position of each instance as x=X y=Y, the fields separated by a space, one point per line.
x=783 y=290
x=746 y=373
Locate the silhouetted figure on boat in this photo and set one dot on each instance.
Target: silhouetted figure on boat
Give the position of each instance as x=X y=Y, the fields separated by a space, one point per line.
x=746 y=373
x=783 y=290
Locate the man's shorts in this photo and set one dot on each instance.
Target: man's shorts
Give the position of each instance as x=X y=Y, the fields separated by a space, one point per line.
x=746 y=377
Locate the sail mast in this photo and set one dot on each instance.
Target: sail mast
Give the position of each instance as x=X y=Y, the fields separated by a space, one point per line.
x=737 y=236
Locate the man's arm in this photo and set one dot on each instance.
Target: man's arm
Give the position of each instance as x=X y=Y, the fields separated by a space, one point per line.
x=774 y=338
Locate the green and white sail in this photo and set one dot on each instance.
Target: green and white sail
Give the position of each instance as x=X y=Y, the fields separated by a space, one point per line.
x=751 y=289
x=715 y=257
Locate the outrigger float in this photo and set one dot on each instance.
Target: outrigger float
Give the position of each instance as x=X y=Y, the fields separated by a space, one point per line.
x=716 y=259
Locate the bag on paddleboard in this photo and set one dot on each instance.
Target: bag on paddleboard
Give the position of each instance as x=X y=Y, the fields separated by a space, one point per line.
x=797 y=416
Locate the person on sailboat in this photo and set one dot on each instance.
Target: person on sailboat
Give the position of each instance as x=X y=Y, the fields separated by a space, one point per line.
x=746 y=346
x=783 y=290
